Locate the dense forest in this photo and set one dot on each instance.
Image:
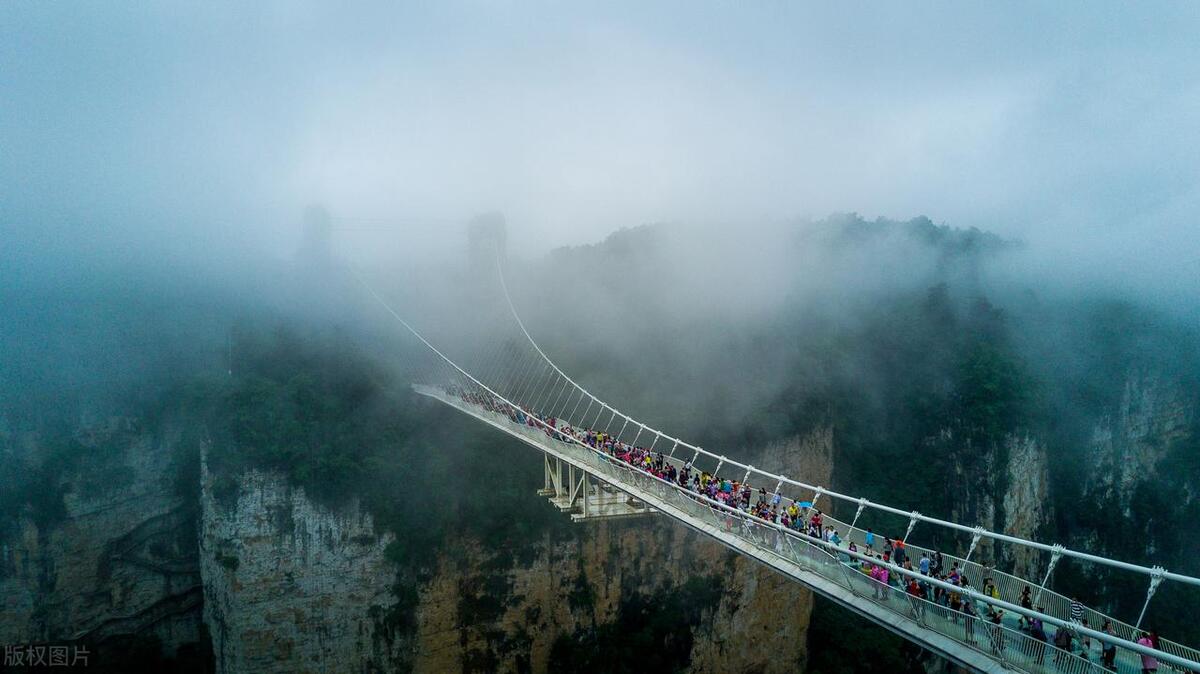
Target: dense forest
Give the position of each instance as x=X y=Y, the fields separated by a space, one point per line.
x=894 y=363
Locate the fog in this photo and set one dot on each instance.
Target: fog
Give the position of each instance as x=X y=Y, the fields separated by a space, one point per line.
x=166 y=154
x=188 y=137
x=912 y=226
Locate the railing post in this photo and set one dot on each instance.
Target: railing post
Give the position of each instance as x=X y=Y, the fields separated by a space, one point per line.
x=1055 y=555
x=816 y=496
x=1156 y=578
x=978 y=534
x=749 y=469
x=918 y=613
x=847 y=574
x=639 y=434
x=862 y=503
x=912 y=523
x=718 y=468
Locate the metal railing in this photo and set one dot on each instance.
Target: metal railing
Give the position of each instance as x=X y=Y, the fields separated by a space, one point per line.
x=627 y=422
x=999 y=642
x=462 y=377
x=1010 y=587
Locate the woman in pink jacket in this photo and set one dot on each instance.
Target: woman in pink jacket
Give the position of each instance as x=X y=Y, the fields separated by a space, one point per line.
x=1149 y=663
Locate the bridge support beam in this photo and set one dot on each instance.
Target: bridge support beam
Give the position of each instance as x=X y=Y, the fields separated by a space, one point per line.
x=1155 y=580
x=912 y=523
x=1055 y=555
x=862 y=503
x=584 y=496
x=552 y=485
x=975 y=537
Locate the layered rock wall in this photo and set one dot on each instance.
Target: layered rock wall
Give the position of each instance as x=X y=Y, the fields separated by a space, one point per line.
x=289 y=585
x=759 y=623
x=1154 y=415
x=120 y=560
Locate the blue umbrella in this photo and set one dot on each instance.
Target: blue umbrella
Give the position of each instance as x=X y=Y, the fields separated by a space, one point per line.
x=806 y=504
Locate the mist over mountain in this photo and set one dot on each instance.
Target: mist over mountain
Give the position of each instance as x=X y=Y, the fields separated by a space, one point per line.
x=934 y=365
x=943 y=257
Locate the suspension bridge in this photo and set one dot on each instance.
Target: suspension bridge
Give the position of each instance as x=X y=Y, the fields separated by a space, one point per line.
x=515 y=387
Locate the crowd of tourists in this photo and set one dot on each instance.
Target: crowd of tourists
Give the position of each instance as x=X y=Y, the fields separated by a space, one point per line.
x=872 y=558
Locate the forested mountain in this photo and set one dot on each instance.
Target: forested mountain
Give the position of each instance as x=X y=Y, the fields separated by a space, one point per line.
x=185 y=481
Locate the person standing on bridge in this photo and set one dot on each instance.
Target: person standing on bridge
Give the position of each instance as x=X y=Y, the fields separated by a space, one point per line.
x=1076 y=611
x=1038 y=632
x=1149 y=662
x=990 y=589
x=970 y=616
x=1026 y=599
x=996 y=617
x=870 y=540
x=1062 y=645
x=1108 y=652
x=955 y=599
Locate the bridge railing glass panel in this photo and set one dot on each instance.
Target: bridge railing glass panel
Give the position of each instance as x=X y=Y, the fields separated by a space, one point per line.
x=1002 y=643
x=770 y=540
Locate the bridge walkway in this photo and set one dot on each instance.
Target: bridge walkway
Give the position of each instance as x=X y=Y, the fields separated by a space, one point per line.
x=828 y=570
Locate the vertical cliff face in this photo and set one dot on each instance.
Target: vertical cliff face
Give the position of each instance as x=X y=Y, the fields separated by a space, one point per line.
x=1006 y=485
x=289 y=585
x=1141 y=494
x=1154 y=415
x=1026 y=498
x=109 y=555
x=1001 y=485
x=761 y=623
x=474 y=617
x=477 y=616
x=1132 y=491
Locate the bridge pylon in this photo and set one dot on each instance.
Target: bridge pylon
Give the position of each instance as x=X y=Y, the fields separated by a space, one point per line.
x=586 y=497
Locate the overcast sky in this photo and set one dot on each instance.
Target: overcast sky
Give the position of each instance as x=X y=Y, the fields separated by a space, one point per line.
x=1073 y=125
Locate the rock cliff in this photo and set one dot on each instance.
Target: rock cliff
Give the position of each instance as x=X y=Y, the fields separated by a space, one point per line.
x=474 y=616
x=289 y=585
x=1003 y=485
x=118 y=561
x=281 y=583
x=1153 y=416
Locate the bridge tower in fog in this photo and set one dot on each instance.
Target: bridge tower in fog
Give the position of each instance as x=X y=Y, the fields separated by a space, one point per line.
x=315 y=252
x=487 y=237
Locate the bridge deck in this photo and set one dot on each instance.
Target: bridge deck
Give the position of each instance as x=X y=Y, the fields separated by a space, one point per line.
x=971 y=642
